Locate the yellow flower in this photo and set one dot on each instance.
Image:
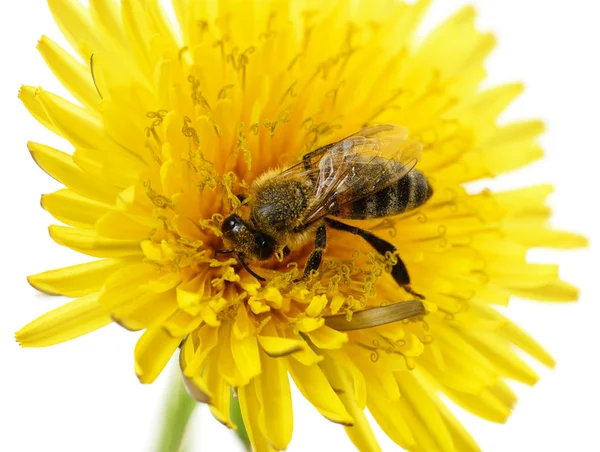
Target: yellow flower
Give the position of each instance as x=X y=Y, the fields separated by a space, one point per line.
x=174 y=120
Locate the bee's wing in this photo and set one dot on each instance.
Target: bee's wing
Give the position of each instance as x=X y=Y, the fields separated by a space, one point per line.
x=357 y=166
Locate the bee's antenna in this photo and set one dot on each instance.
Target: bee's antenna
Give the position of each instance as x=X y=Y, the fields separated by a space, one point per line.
x=93 y=76
x=248 y=269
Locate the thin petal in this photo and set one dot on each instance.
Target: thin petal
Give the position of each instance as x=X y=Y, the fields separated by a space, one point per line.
x=152 y=353
x=219 y=390
x=275 y=418
x=249 y=406
x=423 y=407
x=75 y=23
x=76 y=280
x=328 y=338
x=388 y=414
x=28 y=95
x=73 y=209
x=74 y=123
x=315 y=387
x=360 y=433
x=71 y=320
x=126 y=284
x=244 y=346
x=146 y=311
x=74 y=76
x=88 y=242
x=61 y=167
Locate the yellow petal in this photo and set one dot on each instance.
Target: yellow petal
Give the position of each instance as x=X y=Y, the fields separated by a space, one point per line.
x=308 y=324
x=108 y=17
x=316 y=305
x=28 y=95
x=227 y=365
x=249 y=406
x=118 y=225
x=146 y=311
x=315 y=387
x=76 y=280
x=558 y=291
x=500 y=352
x=137 y=31
x=460 y=437
x=195 y=386
x=75 y=23
x=152 y=353
x=275 y=418
x=359 y=384
x=74 y=123
x=73 y=209
x=277 y=347
x=61 y=167
x=390 y=417
x=207 y=337
x=71 y=320
x=219 y=390
x=360 y=433
x=117 y=170
x=88 y=242
x=125 y=285
x=426 y=410
x=485 y=404
x=244 y=346
x=74 y=76
x=524 y=341
x=328 y=338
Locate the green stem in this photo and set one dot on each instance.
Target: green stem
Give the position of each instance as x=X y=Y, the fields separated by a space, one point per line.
x=176 y=415
x=236 y=418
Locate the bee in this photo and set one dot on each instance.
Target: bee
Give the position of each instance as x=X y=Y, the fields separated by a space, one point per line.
x=367 y=175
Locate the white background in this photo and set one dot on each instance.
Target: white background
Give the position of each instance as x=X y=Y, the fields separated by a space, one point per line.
x=83 y=395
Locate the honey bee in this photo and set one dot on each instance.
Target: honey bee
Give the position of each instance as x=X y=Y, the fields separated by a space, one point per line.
x=364 y=176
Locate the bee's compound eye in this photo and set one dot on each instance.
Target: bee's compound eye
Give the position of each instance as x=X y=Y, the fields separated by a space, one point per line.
x=228 y=225
x=260 y=239
x=265 y=246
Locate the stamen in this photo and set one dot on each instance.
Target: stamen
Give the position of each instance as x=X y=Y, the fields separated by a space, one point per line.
x=160 y=201
x=387 y=105
x=289 y=92
x=197 y=96
x=157 y=117
x=223 y=92
x=94 y=76
x=239 y=62
x=242 y=146
x=188 y=131
x=229 y=180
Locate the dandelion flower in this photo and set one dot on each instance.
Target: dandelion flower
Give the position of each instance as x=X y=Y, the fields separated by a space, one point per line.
x=173 y=120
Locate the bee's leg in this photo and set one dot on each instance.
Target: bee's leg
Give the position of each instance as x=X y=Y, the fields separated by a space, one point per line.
x=247 y=267
x=399 y=271
x=314 y=260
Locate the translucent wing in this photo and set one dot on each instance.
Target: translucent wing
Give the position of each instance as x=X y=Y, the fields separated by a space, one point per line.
x=356 y=167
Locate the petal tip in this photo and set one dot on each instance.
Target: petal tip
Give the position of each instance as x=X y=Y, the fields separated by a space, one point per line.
x=40 y=286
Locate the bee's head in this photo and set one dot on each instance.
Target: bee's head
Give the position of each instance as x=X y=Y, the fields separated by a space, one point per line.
x=243 y=239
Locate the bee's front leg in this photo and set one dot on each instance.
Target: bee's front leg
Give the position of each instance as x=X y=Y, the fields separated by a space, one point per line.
x=314 y=260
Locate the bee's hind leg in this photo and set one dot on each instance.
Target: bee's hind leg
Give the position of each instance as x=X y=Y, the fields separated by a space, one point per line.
x=314 y=260
x=399 y=270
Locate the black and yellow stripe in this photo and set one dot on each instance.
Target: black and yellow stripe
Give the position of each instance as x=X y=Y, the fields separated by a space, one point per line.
x=407 y=194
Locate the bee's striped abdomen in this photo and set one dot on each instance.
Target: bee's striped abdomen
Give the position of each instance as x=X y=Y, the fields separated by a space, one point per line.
x=407 y=194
